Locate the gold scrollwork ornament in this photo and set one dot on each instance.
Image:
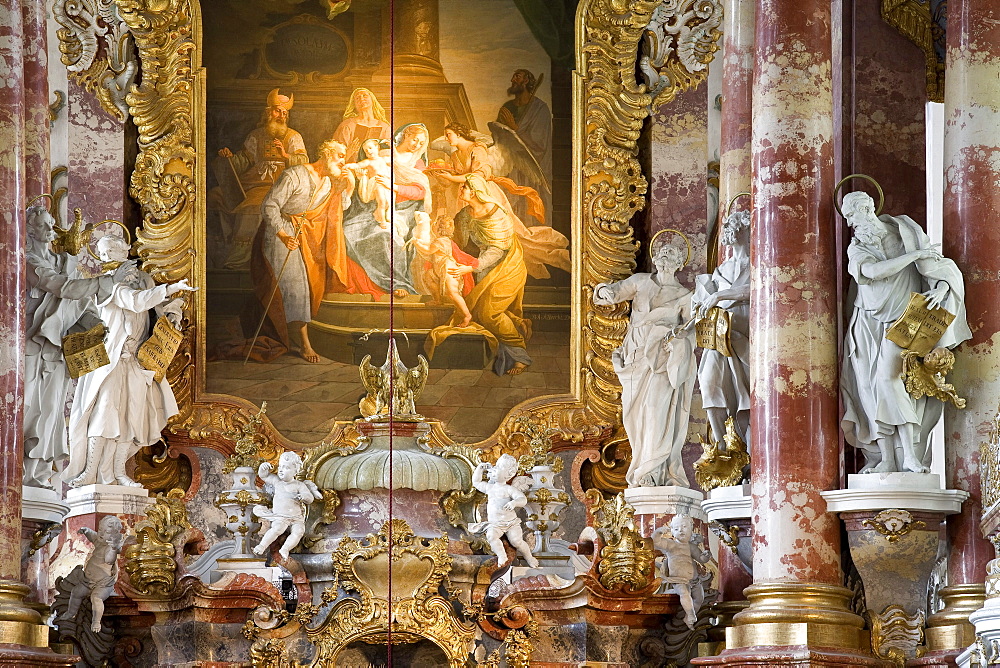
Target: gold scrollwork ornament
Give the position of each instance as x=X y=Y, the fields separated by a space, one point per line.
x=893 y=523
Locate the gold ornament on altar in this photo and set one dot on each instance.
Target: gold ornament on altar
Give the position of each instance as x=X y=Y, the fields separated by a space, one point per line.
x=626 y=560
x=919 y=328
x=895 y=634
x=893 y=523
x=393 y=388
x=712 y=331
x=416 y=611
x=150 y=561
x=247 y=443
x=85 y=351
x=722 y=468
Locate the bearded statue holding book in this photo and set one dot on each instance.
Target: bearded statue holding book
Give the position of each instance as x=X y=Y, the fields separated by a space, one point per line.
x=908 y=311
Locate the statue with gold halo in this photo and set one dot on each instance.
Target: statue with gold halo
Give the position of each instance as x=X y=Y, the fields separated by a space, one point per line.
x=121 y=407
x=656 y=367
x=902 y=286
x=724 y=375
x=56 y=305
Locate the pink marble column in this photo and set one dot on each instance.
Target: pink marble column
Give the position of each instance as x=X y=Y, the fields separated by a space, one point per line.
x=799 y=611
x=36 y=99
x=793 y=325
x=12 y=286
x=972 y=239
x=737 y=102
x=97 y=178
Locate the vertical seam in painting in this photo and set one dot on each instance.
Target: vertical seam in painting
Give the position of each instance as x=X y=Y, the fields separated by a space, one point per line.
x=392 y=297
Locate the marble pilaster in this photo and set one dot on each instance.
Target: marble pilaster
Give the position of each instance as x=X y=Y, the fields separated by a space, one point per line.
x=25 y=635
x=971 y=200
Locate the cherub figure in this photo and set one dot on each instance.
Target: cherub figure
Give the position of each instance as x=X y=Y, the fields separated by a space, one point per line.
x=679 y=566
x=503 y=498
x=370 y=186
x=288 y=505
x=436 y=271
x=101 y=570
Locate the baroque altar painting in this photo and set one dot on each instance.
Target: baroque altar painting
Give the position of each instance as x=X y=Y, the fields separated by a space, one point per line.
x=376 y=166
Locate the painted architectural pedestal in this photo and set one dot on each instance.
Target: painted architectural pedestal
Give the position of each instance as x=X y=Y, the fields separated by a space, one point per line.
x=87 y=506
x=894 y=523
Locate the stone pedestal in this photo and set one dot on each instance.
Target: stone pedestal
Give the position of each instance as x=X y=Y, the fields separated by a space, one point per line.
x=42 y=513
x=255 y=566
x=893 y=523
x=87 y=506
x=655 y=506
x=728 y=510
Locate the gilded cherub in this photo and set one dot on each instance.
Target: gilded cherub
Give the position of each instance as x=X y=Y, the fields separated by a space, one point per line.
x=288 y=507
x=927 y=378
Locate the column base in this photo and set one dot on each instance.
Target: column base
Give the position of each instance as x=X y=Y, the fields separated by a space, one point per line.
x=949 y=630
x=800 y=657
x=796 y=624
x=24 y=638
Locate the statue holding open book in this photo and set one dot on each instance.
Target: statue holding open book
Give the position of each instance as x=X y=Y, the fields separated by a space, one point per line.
x=908 y=312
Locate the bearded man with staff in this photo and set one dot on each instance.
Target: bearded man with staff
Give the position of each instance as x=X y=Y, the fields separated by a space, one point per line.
x=300 y=254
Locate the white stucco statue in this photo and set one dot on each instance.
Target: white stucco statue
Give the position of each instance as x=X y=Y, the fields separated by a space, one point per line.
x=725 y=381
x=680 y=566
x=890 y=258
x=100 y=571
x=502 y=501
x=288 y=504
x=56 y=306
x=656 y=367
x=120 y=408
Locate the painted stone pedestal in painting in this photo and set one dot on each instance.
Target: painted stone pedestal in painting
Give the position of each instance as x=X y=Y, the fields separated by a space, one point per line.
x=893 y=523
x=655 y=506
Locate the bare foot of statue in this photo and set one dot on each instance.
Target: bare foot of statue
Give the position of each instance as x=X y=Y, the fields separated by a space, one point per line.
x=125 y=481
x=518 y=367
x=883 y=467
x=911 y=464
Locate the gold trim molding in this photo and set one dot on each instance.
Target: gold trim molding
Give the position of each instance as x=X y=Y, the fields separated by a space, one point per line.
x=912 y=18
x=169 y=182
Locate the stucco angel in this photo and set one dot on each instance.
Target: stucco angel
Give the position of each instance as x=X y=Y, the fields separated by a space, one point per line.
x=505 y=493
x=288 y=505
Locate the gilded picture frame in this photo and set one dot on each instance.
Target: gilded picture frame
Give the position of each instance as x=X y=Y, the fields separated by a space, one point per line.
x=609 y=104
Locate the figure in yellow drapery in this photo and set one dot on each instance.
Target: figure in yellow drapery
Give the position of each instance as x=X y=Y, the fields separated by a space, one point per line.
x=496 y=300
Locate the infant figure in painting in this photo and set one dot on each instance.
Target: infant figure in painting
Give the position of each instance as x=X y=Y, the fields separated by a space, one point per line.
x=502 y=501
x=680 y=570
x=438 y=269
x=101 y=570
x=288 y=505
x=374 y=175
